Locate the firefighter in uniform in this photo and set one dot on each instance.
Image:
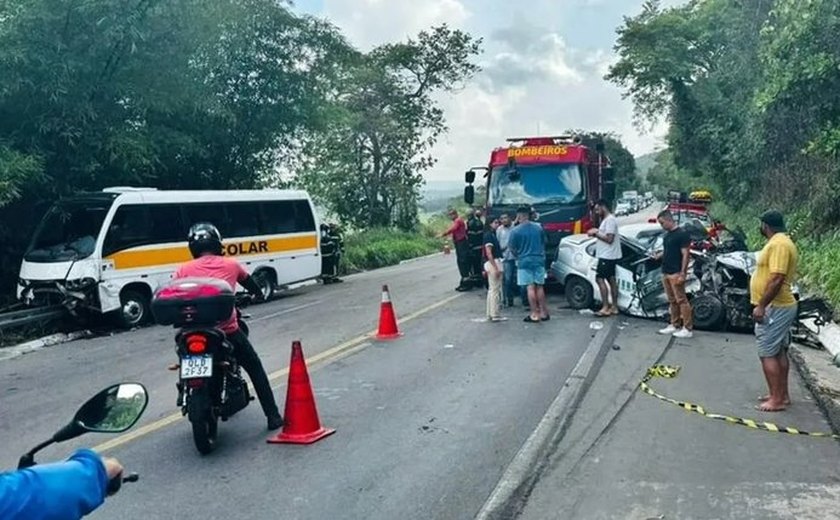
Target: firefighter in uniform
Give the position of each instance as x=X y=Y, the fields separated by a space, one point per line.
x=331 y=248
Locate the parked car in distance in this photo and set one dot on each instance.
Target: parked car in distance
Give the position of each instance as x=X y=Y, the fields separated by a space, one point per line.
x=622 y=208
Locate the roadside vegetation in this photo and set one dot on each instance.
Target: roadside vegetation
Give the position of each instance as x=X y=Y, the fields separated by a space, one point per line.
x=749 y=92
x=214 y=94
x=383 y=247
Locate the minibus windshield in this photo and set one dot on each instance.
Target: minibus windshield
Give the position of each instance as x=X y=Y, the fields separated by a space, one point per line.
x=68 y=231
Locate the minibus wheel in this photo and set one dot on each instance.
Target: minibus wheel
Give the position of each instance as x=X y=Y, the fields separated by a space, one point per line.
x=265 y=279
x=134 y=309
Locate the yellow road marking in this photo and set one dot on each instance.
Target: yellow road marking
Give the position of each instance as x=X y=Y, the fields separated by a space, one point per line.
x=317 y=361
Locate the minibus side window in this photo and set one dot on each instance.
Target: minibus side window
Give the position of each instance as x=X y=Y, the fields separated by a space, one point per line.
x=141 y=225
x=214 y=213
x=304 y=220
x=278 y=217
x=243 y=219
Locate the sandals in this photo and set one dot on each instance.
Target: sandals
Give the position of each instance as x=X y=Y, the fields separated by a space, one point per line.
x=529 y=319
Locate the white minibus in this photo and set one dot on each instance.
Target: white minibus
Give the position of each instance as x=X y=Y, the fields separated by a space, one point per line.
x=109 y=251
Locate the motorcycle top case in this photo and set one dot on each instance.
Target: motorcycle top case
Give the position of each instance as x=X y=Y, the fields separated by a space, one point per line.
x=193 y=301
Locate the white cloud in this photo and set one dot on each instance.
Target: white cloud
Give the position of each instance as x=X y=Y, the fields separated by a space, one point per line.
x=536 y=75
x=369 y=23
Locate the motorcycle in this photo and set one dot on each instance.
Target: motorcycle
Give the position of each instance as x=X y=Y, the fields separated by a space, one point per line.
x=113 y=410
x=210 y=384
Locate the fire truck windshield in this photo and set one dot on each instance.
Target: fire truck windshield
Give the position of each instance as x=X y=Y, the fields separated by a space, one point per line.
x=537 y=184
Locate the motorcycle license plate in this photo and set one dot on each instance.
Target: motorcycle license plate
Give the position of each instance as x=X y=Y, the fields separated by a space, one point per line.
x=193 y=367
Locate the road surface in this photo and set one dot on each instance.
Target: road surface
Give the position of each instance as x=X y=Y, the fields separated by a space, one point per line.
x=426 y=424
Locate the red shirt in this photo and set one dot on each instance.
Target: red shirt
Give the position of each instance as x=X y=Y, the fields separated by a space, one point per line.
x=458 y=230
x=222 y=268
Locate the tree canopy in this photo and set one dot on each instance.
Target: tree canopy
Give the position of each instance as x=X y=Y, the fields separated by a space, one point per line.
x=748 y=89
x=367 y=163
x=202 y=94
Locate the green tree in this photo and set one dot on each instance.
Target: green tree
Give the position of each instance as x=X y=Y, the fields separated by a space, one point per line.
x=190 y=94
x=622 y=161
x=697 y=65
x=366 y=164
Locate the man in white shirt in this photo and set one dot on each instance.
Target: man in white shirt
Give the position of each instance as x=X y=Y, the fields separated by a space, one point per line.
x=608 y=252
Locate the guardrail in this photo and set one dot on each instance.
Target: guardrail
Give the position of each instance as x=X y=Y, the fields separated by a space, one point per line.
x=19 y=318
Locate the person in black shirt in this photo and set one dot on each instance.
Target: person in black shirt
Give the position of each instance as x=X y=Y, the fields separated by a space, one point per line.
x=493 y=266
x=675 y=257
x=475 y=236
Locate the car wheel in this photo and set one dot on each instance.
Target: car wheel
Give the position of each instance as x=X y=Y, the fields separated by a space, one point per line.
x=709 y=312
x=579 y=293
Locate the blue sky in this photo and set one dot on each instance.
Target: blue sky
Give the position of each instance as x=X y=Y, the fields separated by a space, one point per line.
x=543 y=64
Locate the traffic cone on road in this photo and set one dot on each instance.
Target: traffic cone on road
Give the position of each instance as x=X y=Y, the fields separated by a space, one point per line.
x=302 y=425
x=387 y=318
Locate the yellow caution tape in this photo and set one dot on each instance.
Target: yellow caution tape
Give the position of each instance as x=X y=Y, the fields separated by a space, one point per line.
x=670 y=372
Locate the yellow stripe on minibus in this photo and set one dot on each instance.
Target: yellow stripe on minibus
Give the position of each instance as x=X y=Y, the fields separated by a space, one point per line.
x=177 y=255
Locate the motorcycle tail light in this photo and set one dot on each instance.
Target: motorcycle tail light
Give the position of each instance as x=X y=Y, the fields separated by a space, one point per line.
x=196 y=344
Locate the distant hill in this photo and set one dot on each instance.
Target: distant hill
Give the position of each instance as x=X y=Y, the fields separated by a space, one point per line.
x=436 y=196
x=644 y=163
x=435 y=189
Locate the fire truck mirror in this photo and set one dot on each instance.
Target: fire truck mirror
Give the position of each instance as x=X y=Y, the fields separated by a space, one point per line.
x=469 y=194
x=469 y=176
x=608 y=191
x=608 y=173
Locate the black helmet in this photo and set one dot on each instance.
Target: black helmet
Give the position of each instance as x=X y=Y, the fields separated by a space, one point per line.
x=204 y=238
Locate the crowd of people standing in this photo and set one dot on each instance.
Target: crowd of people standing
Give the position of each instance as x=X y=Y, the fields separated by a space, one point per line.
x=506 y=256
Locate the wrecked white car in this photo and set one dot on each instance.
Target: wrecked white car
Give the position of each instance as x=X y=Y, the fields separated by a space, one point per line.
x=639 y=277
x=717 y=285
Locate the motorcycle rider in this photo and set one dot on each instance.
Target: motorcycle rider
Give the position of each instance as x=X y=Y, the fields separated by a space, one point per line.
x=65 y=490
x=205 y=243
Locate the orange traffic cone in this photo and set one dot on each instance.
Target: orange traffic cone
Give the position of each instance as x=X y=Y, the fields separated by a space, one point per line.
x=387 y=318
x=302 y=424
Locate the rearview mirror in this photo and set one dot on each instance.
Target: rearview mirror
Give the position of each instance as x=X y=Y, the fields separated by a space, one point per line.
x=469 y=176
x=114 y=409
x=469 y=194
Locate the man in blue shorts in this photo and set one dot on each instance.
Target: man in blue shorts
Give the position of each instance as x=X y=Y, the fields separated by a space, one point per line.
x=527 y=242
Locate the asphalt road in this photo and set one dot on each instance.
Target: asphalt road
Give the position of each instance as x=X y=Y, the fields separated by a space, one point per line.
x=426 y=424
x=629 y=456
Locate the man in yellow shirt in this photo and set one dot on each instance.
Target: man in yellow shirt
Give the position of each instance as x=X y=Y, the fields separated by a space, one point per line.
x=775 y=308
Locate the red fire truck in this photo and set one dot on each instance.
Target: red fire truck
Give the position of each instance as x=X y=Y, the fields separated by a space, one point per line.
x=557 y=176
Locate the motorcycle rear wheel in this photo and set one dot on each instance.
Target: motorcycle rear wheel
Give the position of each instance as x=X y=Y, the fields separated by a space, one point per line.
x=204 y=435
x=205 y=424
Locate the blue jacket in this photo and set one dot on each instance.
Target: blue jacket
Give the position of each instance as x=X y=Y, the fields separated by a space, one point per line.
x=61 y=491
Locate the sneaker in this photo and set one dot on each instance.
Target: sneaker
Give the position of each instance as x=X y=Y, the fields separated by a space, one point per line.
x=683 y=333
x=670 y=329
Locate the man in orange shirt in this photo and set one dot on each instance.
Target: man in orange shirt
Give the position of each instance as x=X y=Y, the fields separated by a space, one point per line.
x=775 y=308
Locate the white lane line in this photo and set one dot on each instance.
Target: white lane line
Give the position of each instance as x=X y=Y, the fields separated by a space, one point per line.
x=284 y=311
